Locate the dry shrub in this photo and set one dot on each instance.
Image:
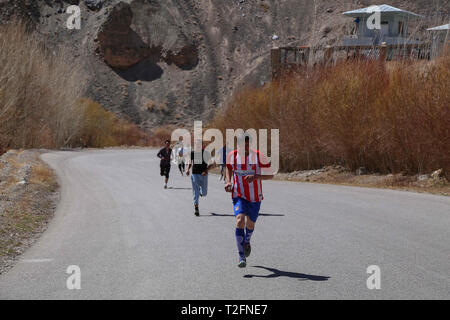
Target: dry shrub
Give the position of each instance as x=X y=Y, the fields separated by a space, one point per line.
x=102 y=128
x=128 y=134
x=355 y=114
x=160 y=135
x=42 y=175
x=416 y=113
x=150 y=105
x=40 y=105
x=38 y=91
x=98 y=125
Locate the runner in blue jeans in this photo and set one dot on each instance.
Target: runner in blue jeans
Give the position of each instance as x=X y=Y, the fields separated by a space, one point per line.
x=199 y=164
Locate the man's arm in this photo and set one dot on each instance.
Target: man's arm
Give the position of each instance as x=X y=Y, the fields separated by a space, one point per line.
x=188 y=168
x=250 y=179
x=189 y=165
x=228 y=175
x=210 y=161
x=265 y=172
x=161 y=155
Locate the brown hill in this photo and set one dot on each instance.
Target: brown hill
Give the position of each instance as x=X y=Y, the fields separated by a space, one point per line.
x=168 y=62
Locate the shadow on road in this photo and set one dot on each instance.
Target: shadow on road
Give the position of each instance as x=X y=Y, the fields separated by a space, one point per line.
x=278 y=273
x=174 y=188
x=232 y=215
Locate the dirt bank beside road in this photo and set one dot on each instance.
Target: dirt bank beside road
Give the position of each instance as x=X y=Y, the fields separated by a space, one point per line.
x=434 y=183
x=28 y=198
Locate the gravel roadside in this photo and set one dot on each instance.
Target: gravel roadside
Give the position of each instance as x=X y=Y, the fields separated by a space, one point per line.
x=434 y=183
x=28 y=198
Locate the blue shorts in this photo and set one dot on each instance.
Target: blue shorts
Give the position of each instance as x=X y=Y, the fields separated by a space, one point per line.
x=250 y=209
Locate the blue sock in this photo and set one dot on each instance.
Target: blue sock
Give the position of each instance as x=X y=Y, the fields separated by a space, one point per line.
x=248 y=235
x=240 y=237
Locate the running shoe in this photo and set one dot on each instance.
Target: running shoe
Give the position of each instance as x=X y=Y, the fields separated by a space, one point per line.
x=197 y=212
x=242 y=263
x=247 y=249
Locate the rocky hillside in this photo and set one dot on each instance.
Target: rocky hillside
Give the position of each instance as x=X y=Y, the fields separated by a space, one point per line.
x=163 y=62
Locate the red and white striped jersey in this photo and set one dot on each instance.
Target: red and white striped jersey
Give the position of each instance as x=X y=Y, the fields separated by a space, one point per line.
x=254 y=164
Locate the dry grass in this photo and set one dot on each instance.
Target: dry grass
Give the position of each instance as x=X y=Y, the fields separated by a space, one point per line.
x=42 y=175
x=102 y=128
x=265 y=7
x=24 y=209
x=40 y=99
x=160 y=135
x=38 y=91
x=18 y=222
x=356 y=114
x=150 y=105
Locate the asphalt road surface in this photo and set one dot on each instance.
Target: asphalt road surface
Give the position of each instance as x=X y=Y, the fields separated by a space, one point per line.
x=132 y=239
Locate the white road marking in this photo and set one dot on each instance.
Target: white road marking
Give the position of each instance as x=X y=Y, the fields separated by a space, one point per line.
x=36 y=260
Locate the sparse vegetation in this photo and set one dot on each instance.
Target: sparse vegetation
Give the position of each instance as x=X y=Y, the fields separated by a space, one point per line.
x=356 y=114
x=265 y=6
x=43 y=176
x=28 y=194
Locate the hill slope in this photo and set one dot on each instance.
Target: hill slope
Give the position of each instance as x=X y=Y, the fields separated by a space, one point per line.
x=171 y=61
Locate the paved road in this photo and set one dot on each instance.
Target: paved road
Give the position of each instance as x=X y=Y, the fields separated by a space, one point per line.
x=132 y=239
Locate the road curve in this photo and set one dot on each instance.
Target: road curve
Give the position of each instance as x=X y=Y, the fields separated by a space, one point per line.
x=134 y=240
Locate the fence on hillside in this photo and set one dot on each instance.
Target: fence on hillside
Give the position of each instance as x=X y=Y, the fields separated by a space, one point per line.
x=287 y=60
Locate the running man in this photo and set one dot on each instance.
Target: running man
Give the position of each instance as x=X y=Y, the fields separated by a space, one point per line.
x=199 y=164
x=248 y=167
x=181 y=152
x=181 y=163
x=165 y=154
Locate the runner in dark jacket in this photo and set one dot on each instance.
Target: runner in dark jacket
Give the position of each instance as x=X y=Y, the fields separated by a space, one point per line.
x=165 y=154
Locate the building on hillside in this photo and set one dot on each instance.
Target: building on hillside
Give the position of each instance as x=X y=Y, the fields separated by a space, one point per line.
x=393 y=31
x=389 y=41
x=440 y=39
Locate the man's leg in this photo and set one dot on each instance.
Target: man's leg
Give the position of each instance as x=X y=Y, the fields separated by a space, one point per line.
x=249 y=228
x=167 y=171
x=240 y=238
x=181 y=167
x=222 y=171
x=251 y=217
x=163 y=174
x=195 y=192
x=204 y=185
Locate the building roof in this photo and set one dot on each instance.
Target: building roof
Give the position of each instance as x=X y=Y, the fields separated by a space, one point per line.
x=384 y=8
x=440 y=28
